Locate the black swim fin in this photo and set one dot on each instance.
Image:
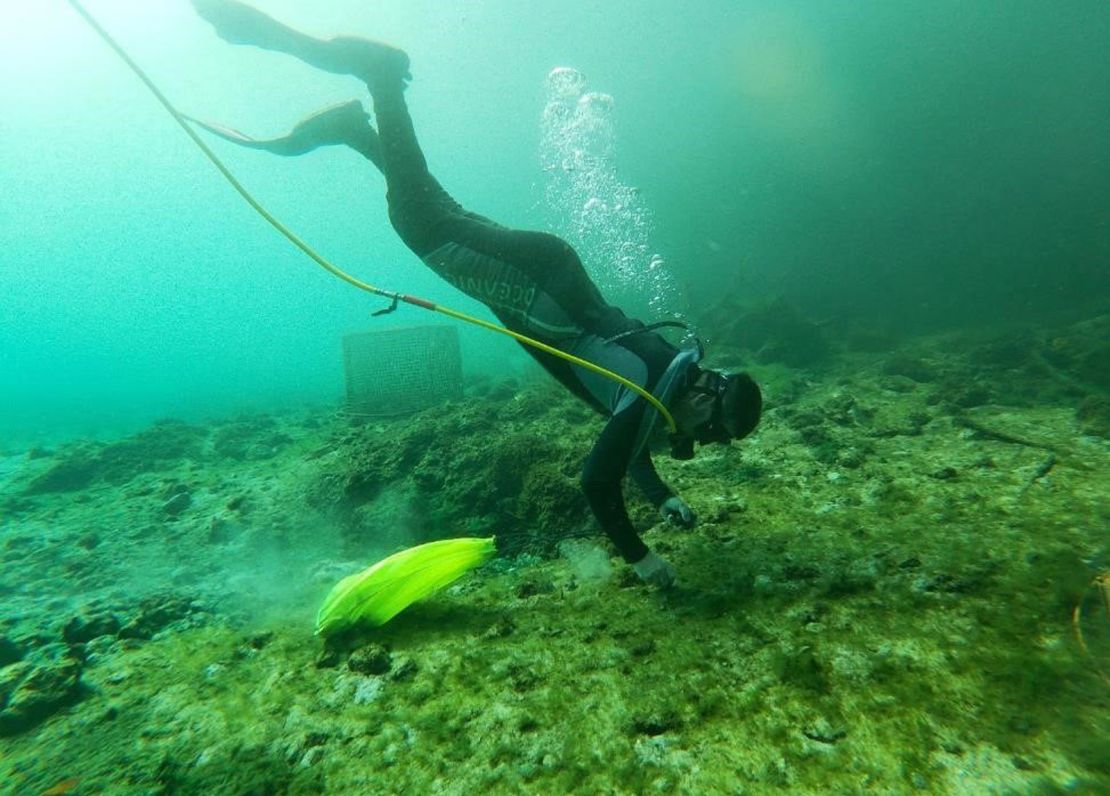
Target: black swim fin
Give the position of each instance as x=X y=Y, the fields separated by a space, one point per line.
x=345 y=124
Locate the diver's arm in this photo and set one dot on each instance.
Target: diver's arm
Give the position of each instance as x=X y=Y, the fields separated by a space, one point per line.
x=644 y=474
x=671 y=507
x=601 y=481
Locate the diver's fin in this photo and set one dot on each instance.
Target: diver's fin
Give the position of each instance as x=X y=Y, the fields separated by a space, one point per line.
x=344 y=124
x=239 y=23
x=230 y=134
x=374 y=62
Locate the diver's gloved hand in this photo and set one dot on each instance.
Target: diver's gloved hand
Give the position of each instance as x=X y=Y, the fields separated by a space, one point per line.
x=656 y=571
x=675 y=511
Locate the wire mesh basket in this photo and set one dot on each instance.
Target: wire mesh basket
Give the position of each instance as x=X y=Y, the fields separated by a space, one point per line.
x=400 y=371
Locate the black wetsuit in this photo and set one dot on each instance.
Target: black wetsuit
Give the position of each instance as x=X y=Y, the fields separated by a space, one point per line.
x=535 y=284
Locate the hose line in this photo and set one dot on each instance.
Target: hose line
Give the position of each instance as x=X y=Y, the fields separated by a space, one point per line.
x=335 y=270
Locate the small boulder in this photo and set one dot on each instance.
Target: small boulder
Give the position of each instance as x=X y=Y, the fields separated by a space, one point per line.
x=11 y=676
x=404 y=669
x=1093 y=414
x=910 y=367
x=156 y=612
x=10 y=652
x=32 y=692
x=87 y=626
x=371 y=659
x=177 y=504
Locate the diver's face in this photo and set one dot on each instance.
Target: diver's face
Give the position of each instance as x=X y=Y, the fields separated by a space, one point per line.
x=693 y=416
x=698 y=413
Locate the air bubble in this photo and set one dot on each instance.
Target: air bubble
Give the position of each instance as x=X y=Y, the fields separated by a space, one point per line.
x=595 y=102
x=605 y=220
x=565 y=83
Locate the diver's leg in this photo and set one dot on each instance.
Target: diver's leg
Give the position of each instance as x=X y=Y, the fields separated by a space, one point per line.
x=406 y=169
x=367 y=60
x=427 y=218
x=421 y=211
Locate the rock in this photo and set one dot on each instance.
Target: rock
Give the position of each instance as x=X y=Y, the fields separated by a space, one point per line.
x=643 y=648
x=774 y=332
x=530 y=588
x=897 y=383
x=32 y=693
x=177 y=504
x=236 y=503
x=968 y=396
x=220 y=530
x=155 y=613
x=371 y=659
x=627 y=578
x=1093 y=414
x=823 y=732
x=404 y=669
x=89 y=541
x=166 y=442
x=1009 y=351
x=910 y=367
x=500 y=629
x=801 y=668
x=259 y=640
x=367 y=690
x=10 y=652
x=75 y=471
x=328 y=658
x=11 y=676
x=656 y=722
x=250 y=438
x=1091 y=367
x=86 y=627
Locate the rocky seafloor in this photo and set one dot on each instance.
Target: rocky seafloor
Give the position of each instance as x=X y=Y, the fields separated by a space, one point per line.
x=885 y=592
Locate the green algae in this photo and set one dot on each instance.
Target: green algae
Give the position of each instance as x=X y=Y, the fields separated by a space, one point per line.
x=877 y=599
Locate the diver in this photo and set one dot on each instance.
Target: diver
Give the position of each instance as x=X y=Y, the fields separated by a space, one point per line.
x=533 y=282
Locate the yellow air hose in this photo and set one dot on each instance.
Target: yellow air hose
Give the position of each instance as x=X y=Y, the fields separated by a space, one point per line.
x=331 y=267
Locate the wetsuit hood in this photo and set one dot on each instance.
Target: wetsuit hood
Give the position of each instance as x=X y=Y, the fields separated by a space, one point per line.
x=673 y=380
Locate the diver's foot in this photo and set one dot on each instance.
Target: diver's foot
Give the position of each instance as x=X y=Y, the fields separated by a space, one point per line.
x=239 y=23
x=375 y=63
x=345 y=124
